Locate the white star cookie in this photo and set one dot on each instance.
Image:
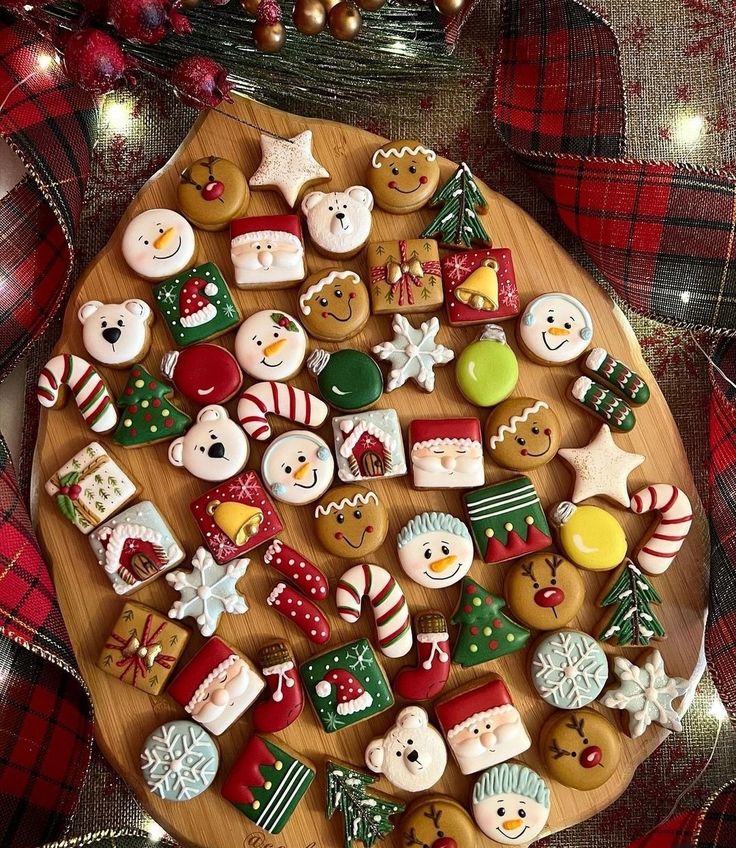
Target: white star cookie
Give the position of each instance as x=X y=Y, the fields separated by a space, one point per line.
x=413 y=353
x=287 y=164
x=601 y=468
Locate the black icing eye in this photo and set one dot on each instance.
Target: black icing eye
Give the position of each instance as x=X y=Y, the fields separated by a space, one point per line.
x=301 y=458
x=201 y=448
x=395 y=171
x=259 y=343
x=287 y=469
x=211 y=178
x=268 y=247
x=446 y=550
x=521 y=813
x=428 y=553
x=488 y=727
x=344 y=206
x=104 y=324
x=398 y=753
x=520 y=440
x=357 y=514
x=550 y=319
x=258 y=247
x=213 y=437
x=331 y=208
x=568 y=325
x=553 y=582
x=501 y=811
x=535 y=430
x=536 y=585
x=161 y=230
x=145 y=241
x=323 y=301
x=585 y=741
x=338 y=292
x=476 y=731
x=276 y=334
x=198 y=187
x=409 y=741
x=120 y=322
x=340 y=518
x=412 y=169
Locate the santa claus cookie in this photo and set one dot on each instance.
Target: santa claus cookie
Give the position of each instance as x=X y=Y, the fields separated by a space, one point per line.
x=116 y=334
x=511 y=804
x=339 y=222
x=446 y=453
x=271 y=345
x=285 y=700
x=213 y=448
x=212 y=191
x=428 y=677
x=334 y=304
x=522 y=433
x=297 y=467
x=403 y=176
x=544 y=591
x=437 y=822
x=203 y=373
x=158 y=244
x=435 y=549
x=267 y=251
x=350 y=521
x=554 y=329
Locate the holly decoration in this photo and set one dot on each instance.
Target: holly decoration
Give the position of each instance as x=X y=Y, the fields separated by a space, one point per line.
x=147 y=415
x=94 y=60
x=69 y=491
x=485 y=632
x=284 y=321
x=457 y=223
x=632 y=621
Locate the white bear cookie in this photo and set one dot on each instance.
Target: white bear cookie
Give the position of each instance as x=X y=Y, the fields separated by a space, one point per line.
x=213 y=448
x=116 y=334
x=339 y=222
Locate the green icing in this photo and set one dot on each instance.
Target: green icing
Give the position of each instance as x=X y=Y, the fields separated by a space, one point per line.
x=487 y=371
x=632 y=620
x=146 y=413
x=347 y=379
x=429 y=522
x=509 y=778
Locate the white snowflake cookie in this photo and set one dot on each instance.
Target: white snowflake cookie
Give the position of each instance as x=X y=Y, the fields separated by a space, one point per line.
x=413 y=353
x=569 y=669
x=179 y=761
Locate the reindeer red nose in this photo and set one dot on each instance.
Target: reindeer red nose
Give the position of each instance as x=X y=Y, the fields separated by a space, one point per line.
x=444 y=842
x=549 y=597
x=213 y=190
x=591 y=757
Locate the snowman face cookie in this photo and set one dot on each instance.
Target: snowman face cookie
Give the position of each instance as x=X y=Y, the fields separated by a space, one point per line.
x=555 y=329
x=334 y=305
x=158 y=243
x=435 y=549
x=403 y=176
x=212 y=191
x=297 y=467
x=350 y=521
x=511 y=804
x=213 y=448
x=271 y=345
x=116 y=334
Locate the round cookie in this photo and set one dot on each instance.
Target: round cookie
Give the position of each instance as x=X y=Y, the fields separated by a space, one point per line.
x=591 y=537
x=116 y=334
x=554 y=329
x=350 y=521
x=271 y=345
x=580 y=748
x=487 y=370
x=522 y=433
x=203 y=373
x=339 y=222
x=212 y=191
x=159 y=243
x=297 y=467
x=435 y=549
x=334 y=305
x=349 y=380
x=179 y=760
x=511 y=804
x=544 y=591
x=403 y=176
x=437 y=822
x=568 y=669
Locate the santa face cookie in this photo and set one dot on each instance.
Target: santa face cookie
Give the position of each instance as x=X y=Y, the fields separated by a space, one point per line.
x=511 y=804
x=350 y=521
x=340 y=222
x=158 y=244
x=297 y=467
x=544 y=591
x=437 y=822
x=555 y=329
x=213 y=448
x=271 y=345
x=522 y=433
x=267 y=251
x=203 y=373
x=334 y=305
x=212 y=191
x=446 y=453
x=435 y=549
x=369 y=444
x=116 y=334
x=403 y=176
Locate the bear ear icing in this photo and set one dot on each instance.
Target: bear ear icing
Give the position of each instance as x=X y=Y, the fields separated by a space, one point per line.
x=362 y=195
x=311 y=200
x=139 y=308
x=213 y=413
x=412 y=717
x=176 y=451
x=374 y=755
x=87 y=310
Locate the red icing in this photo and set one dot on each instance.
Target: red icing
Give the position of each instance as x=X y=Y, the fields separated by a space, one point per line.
x=515 y=546
x=246 y=773
x=277 y=223
x=429 y=676
x=591 y=756
x=456 y=710
x=550 y=596
x=299 y=610
x=190 y=678
x=207 y=373
x=444 y=841
x=285 y=703
x=425 y=429
x=298 y=570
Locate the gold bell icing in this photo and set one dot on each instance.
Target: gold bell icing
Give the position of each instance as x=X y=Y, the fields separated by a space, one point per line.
x=236 y=520
x=480 y=288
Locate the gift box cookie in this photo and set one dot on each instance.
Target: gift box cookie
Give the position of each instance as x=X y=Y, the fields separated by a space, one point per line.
x=480 y=286
x=404 y=276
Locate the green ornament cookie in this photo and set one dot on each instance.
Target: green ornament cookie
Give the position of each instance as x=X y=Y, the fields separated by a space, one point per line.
x=146 y=413
x=348 y=379
x=487 y=370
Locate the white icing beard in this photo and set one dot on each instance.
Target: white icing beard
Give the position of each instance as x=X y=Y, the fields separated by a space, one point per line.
x=281 y=264
x=465 y=472
x=242 y=691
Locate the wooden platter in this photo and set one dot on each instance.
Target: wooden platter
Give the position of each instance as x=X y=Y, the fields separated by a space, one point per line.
x=126 y=716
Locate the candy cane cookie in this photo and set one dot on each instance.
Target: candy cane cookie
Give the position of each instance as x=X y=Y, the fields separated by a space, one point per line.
x=302 y=612
x=298 y=569
x=64 y=373
x=265 y=398
x=391 y=613
x=663 y=540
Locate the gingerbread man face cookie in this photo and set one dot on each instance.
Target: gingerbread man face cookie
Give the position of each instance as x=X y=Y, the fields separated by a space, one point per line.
x=297 y=467
x=158 y=243
x=522 y=433
x=544 y=591
x=334 y=305
x=270 y=345
x=350 y=521
x=403 y=176
x=212 y=191
x=437 y=822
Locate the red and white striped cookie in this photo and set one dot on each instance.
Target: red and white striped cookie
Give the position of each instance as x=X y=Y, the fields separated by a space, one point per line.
x=66 y=372
x=665 y=537
x=302 y=612
x=267 y=398
x=298 y=569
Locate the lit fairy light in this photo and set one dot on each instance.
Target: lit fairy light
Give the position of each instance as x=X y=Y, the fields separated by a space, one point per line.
x=717 y=710
x=685 y=296
x=117 y=114
x=688 y=129
x=45 y=61
x=154 y=830
x=399 y=46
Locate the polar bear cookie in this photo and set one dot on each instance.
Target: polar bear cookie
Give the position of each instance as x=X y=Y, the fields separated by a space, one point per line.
x=213 y=448
x=116 y=334
x=403 y=176
x=511 y=804
x=555 y=329
x=435 y=549
x=297 y=467
x=159 y=243
x=339 y=222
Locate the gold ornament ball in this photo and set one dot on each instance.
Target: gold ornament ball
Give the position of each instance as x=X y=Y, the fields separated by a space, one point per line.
x=330 y=4
x=250 y=6
x=345 y=21
x=371 y=5
x=269 y=38
x=310 y=16
x=190 y=4
x=449 y=8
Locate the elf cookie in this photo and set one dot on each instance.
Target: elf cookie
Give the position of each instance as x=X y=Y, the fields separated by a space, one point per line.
x=630 y=619
x=285 y=700
x=600 y=365
x=403 y=176
x=554 y=329
x=446 y=453
x=522 y=433
x=288 y=166
x=349 y=380
x=212 y=191
x=568 y=669
x=147 y=414
x=599 y=401
x=369 y=445
x=580 y=748
x=299 y=610
x=158 y=244
x=116 y=334
x=511 y=804
x=480 y=286
x=544 y=591
x=429 y=676
x=340 y=222
x=297 y=467
x=271 y=345
x=203 y=373
x=435 y=549
x=334 y=305
x=216 y=686
x=350 y=521
x=487 y=371
x=411 y=754
x=283 y=399
x=267 y=251
x=662 y=542
x=179 y=761
x=213 y=448
x=437 y=822
x=298 y=569
x=413 y=353
x=591 y=537
x=405 y=276
x=66 y=373
x=457 y=224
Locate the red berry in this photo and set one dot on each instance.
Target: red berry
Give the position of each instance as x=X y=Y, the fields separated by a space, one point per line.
x=146 y=21
x=200 y=82
x=95 y=61
x=75 y=490
x=64 y=490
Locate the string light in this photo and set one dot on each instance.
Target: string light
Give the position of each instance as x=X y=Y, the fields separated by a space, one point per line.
x=685 y=296
x=688 y=129
x=117 y=114
x=717 y=710
x=45 y=61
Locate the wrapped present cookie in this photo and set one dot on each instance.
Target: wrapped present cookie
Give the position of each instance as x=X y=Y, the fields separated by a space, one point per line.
x=404 y=276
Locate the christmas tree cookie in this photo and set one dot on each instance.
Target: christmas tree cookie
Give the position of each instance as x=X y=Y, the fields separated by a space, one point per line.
x=457 y=223
x=631 y=620
x=147 y=414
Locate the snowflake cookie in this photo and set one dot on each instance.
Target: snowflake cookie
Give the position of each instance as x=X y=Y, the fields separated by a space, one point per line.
x=569 y=669
x=179 y=761
x=413 y=353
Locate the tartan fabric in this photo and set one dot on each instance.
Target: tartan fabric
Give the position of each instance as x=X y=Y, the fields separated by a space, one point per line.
x=677 y=832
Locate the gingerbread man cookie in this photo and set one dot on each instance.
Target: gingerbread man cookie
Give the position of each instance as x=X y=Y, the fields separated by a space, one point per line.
x=334 y=305
x=212 y=191
x=350 y=521
x=403 y=176
x=522 y=433
x=544 y=591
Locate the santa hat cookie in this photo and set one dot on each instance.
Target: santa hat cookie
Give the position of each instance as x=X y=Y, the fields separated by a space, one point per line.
x=195 y=308
x=351 y=696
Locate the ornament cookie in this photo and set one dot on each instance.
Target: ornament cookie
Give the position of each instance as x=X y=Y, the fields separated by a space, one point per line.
x=297 y=569
x=413 y=353
x=631 y=621
x=216 y=686
x=203 y=373
x=599 y=401
x=435 y=549
x=487 y=371
x=591 y=537
x=214 y=447
x=334 y=305
x=267 y=251
x=600 y=365
x=369 y=445
x=67 y=373
x=411 y=755
x=457 y=224
x=283 y=399
x=179 y=761
x=428 y=677
x=511 y=804
x=288 y=166
x=271 y=345
x=522 y=433
x=349 y=380
x=544 y=591
x=350 y=521
x=437 y=821
x=662 y=542
x=481 y=724
x=116 y=334
x=297 y=467
x=568 y=669
x=446 y=453
x=405 y=276
x=554 y=329
x=285 y=702
x=158 y=244
x=480 y=286
x=301 y=612
x=147 y=414
x=403 y=176
x=212 y=191
x=339 y=222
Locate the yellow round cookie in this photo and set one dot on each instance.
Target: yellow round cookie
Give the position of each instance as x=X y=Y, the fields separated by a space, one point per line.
x=436 y=821
x=213 y=191
x=591 y=537
x=334 y=304
x=544 y=591
x=350 y=521
x=403 y=175
x=522 y=433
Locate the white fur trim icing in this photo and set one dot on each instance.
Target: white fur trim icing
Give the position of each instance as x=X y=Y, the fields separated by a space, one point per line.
x=119 y=536
x=216 y=672
x=411 y=151
x=514 y=422
x=596 y=358
x=458 y=728
x=581 y=387
x=317 y=287
x=355 y=706
x=431 y=443
x=266 y=235
x=360 y=498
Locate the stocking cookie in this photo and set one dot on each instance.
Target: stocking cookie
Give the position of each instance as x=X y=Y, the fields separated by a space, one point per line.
x=283 y=399
x=544 y=591
x=350 y=521
x=487 y=371
x=446 y=453
x=437 y=821
x=369 y=445
x=435 y=549
x=600 y=365
x=297 y=467
x=568 y=669
x=403 y=176
x=288 y=166
x=630 y=619
x=214 y=448
x=212 y=191
x=349 y=380
x=67 y=373
x=405 y=276
x=662 y=542
x=147 y=414
x=554 y=329
x=603 y=403
x=297 y=569
x=429 y=676
x=413 y=353
x=522 y=433
x=511 y=804
x=301 y=612
x=179 y=761
x=285 y=700
x=591 y=537
x=116 y=334
x=267 y=251
x=271 y=345
x=203 y=373
x=158 y=244
x=480 y=286
x=334 y=305
x=339 y=222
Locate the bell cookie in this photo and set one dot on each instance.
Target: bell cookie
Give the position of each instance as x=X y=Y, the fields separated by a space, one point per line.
x=214 y=448
x=267 y=251
x=203 y=373
x=285 y=700
x=436 y=820
x=403 y=175
x=369 y=445
x=435 y=549
x=116 y=334
x=334 y=304
x=288 y=166
x=339 y=222
x=544 y=591
x=404 y=276
x=349 y=380
x=568 y=669
x=588 y=535
x=427 y=678
x=350 y=521
x=554 y=329
x=271 y=345
x=486 y=371
x=297 y=467
x=179 y=760
x=522 y=433
x=212 y=191
x=480 y=286
x=446 y=453
x=158 y=243
x=628 y=598
x=413 y=353
x=662 y=542
x=600 y=365
x=511 y=804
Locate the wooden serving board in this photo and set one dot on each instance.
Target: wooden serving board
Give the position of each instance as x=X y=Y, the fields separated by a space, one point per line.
x=126 y=716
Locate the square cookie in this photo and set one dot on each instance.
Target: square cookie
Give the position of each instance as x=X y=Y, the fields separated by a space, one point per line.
x=480 y=286
x=267 y=251
x=446 y=453
x=236 y=517
x=90 y=488
x=346 y=685
x=143 y=648
x=369 y=444
x=135 y=547
x=404 y=276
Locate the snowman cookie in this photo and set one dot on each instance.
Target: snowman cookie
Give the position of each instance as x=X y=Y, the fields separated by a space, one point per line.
x=213 y=448
x=522 y=433
x=271 y=345
x=158 y=243
x=339 y=222
x=403 y=176
x=544 y=591
x=435 y=549
x=511 y=804
x=554 y=329
x=116 y=334
x=212 y=191
x=350 y=521
x=297 y=467
x=334 y=305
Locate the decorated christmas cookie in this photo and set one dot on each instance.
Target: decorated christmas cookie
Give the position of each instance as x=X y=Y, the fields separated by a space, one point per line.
x=339 y=222
x=334 y=305
x=411 y=754
x=267 y=251
x=600 y=365
x=143 y=648
x=350 y=521
x=662 y=542
x=349 y=380
x=413 y=353
x=212 y=191
x=203 y=373
x=461 y=202
x=214 y=448
x=90 y=488
x=158 y=244
x=522 y=433
x=438 y=822
x=267 y=782
x=487 y=371
x=283 y=399
x=645 y=692
x=568 y=669
x=196 y=305
x=435 y=549
x=288 y=166
x=297 y=569
x=544 y=591
x=591 y=537
x=116 y=334
x=285 y=700
x=603 y=403
x=236 y=517
x=580 y=748
x=216 y=686
x=67 y=373
x=369 y=445
x=147 y=414
x=179 y=761
x=446 y=453
x=403 y=176
x=481 y=724
x=480 y=286
x=554 y=329
x=511 y=804
x=271 y=345
x=628 y=598
x=346 y=685
x=135 y=547
x=507 y=520
x=405 y=276
x=297 y=467
x=428 y=677
x=300 y=611
x=390 y=611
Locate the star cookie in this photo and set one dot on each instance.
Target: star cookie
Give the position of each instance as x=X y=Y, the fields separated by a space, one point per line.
x=287 y=164
x=413 y=353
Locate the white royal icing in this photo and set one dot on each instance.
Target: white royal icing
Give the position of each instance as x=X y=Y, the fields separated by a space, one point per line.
x=317 y=287
x=403 y=151
x=158 y=243
x=514 y=422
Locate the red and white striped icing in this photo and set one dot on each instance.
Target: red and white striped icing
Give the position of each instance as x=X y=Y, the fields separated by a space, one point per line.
x=266 y=398
x=676 y=517
x=84 y=381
